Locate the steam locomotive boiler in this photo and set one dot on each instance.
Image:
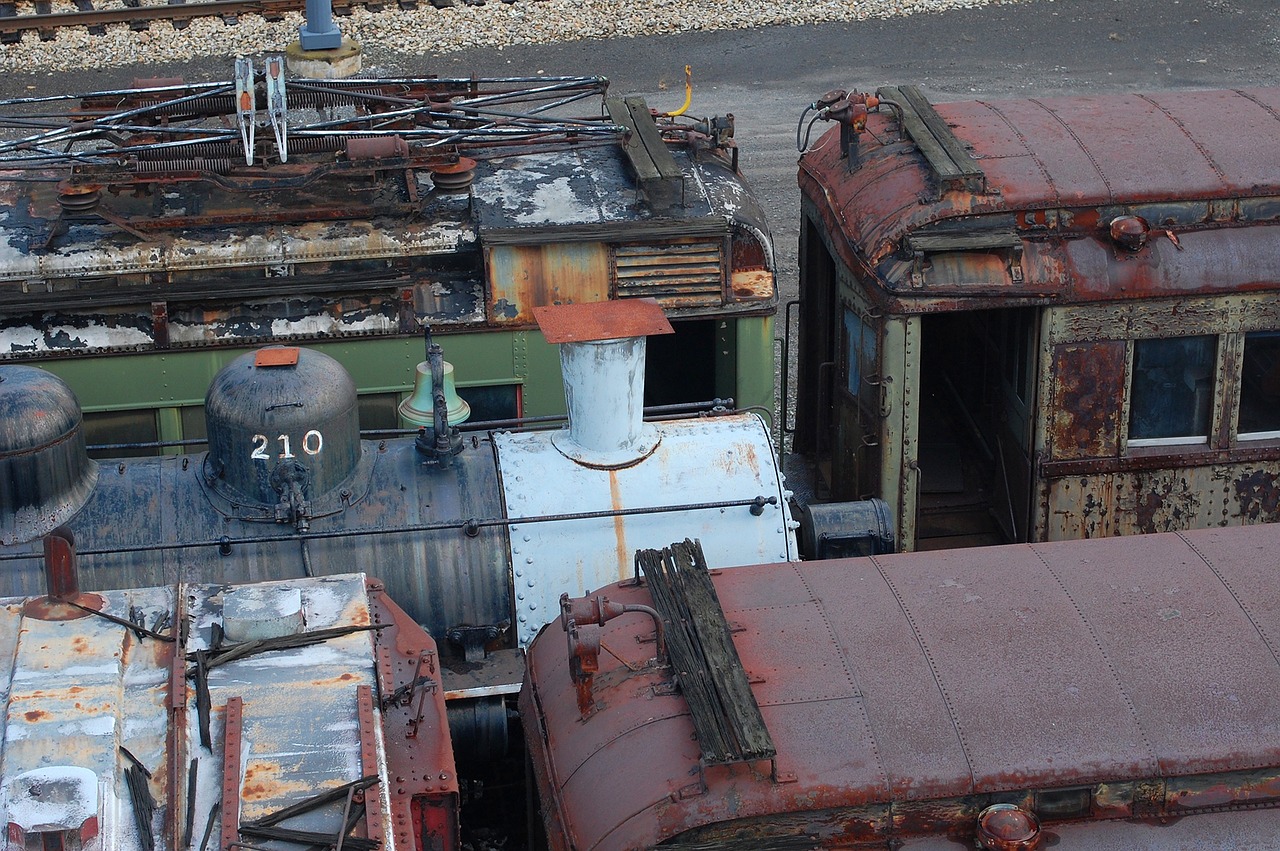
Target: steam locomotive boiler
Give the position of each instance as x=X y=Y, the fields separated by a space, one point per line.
x=475 y=535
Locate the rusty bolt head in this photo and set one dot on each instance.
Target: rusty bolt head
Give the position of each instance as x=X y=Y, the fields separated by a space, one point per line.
x=1129 y=232
x=1007 y=827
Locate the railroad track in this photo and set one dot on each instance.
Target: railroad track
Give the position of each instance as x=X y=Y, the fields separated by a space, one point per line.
x=43 y=20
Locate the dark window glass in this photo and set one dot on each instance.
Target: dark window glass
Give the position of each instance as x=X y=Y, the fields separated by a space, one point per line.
x=1171 y=395
x=1025 y=336
x=1260 y=383
x=861 y=352
x=117 y=427
x=679 y=367
x=193 y=428
x=495 y=402
x=379 y=411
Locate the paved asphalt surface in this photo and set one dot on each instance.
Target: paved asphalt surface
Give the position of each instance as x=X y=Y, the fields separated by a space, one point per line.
x=765 y=77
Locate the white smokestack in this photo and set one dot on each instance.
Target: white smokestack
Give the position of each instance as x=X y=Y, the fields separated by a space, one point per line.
x=602 y=349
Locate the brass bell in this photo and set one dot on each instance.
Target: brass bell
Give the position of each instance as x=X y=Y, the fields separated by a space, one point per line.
x=417 y=409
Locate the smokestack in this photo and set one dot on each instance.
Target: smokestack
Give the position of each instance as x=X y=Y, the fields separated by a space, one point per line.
x=62 y=581
x=602 y=348
x=63 y=600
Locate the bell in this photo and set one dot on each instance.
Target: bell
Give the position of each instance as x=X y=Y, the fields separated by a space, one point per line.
x=417 y=409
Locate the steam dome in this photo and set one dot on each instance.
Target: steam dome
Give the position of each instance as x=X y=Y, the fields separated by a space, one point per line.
x=281 y=415
x=45 y=473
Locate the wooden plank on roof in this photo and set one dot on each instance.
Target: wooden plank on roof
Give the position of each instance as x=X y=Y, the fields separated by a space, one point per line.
x=660 y=177
x=632 y=144
x=642 y=120
x=964 y=241
x=726 y=716
x=944 y=152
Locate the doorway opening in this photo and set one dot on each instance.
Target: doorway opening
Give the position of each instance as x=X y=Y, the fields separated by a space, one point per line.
x=977 y=383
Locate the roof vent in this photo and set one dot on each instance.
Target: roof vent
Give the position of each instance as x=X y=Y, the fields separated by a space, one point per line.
x=55 y=800
x=45 y=473
x=255 y=612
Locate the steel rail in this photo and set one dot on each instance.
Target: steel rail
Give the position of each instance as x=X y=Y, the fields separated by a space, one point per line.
x=179 y=11
x=130 y=14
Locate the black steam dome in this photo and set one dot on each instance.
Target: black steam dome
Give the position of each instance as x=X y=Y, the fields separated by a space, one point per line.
x=45 y=473
x=283 y=428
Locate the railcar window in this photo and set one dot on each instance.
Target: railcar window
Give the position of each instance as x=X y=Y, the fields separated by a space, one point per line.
x=112 y=428
x=378 y=411
x=860 y=352
x=1171 y=394
x=681 y=367
x=1260 y=386
x=493 y=402
x=1019 y=342
x=193 y=427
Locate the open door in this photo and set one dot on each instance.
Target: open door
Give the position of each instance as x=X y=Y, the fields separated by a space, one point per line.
x=977 y=385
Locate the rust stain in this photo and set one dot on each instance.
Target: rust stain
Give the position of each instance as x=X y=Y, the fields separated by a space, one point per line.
x=80 y=644
x=523 y=277
x=1088 y=379
x=1093 y=515
x=1165 y=503
x=752 y=284
x=741 y=455
x=619 y=526
x=1258 y=497
x=35 y=715
x=267 y=784
x=334 y=681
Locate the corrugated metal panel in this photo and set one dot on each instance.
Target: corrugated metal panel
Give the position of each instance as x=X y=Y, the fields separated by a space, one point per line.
x=684 y=273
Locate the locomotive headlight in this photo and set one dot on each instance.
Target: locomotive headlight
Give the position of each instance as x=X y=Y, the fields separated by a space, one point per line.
x=1008 y=827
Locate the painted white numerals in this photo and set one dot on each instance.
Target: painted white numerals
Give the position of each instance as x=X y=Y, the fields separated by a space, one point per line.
x=312 y=443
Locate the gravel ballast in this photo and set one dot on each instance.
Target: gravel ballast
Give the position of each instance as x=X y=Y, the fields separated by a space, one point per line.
x=431 y=30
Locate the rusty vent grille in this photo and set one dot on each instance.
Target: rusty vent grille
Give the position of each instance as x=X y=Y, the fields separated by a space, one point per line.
x=684 y=273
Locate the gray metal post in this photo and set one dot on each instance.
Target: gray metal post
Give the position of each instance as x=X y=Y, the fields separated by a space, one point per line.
x=319 y=32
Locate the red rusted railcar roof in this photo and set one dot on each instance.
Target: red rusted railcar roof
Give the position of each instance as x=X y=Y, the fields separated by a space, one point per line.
x=1125 y=148
x=931 y=677
x=1171 y=156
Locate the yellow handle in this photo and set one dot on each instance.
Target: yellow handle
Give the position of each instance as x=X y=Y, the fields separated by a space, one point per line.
x=688 y=92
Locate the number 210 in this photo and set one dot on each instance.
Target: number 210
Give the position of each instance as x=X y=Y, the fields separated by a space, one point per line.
x=312 y=443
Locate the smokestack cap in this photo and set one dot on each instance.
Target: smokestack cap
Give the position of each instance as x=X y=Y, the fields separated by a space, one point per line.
x=602 y=320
